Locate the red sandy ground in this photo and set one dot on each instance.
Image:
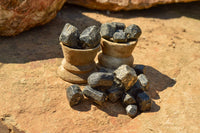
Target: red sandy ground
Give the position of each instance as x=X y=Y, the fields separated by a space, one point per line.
x=33 y=99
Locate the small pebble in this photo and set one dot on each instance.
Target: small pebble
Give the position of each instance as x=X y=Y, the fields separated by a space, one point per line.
x=140 y=69
x=129 y=100
x=174 y=45
x=131 y=110
x=184 y=30
x=97 y=96
x=108 y=12
x=143 y=82
x=74 y=95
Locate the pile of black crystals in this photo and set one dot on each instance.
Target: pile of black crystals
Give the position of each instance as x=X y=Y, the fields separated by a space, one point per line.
x=118 y=32
x=125 y=84
x=89 y=38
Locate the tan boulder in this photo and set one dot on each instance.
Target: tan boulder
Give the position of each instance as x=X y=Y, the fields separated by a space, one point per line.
x=116 y=5
x=19 y=15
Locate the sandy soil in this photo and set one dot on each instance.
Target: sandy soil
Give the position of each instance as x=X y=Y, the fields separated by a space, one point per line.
x=33 y=99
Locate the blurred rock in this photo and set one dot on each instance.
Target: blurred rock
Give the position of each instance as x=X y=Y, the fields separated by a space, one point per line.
x=140 y=69
x=116 y=5
x=69 y=36
x=118 y=25
x=74 y=95
x=90 y=37
x=97 y=96
x=144 y=102
x=115 y=93
x=143 y=82
x=107 y=30
x=101 y=79
x=104 y=69
x=129 y=100
x=135 y=89
x=118 y=83
x=126 y=75
x=133 y=32
x=119 y=36
x=131 y=110
x=19 y=15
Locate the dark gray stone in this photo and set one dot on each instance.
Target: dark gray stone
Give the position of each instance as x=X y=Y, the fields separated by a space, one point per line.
x=129 y=100
x=90 y=37
x=143 y=82
x=118 y=83
x=97 y=96
x=119 y=30
x=126 y=75
x=120 y=36
x=115 y=93
x=107 y=30
x=69 y=36
x=135 y=89
x=131 y=110
x=103 y=69
x=119 y=26
x=140 y=69
x=143 y=101
x=133 y=32
x=74 y=95
x=101 y=79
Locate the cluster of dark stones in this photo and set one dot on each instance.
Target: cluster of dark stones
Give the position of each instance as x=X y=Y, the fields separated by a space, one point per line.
x=118 y=32
x=71 y=37
x=125 y=84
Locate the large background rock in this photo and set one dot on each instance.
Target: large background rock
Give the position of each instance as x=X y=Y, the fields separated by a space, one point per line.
x=116 y=5
x=19 y=15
